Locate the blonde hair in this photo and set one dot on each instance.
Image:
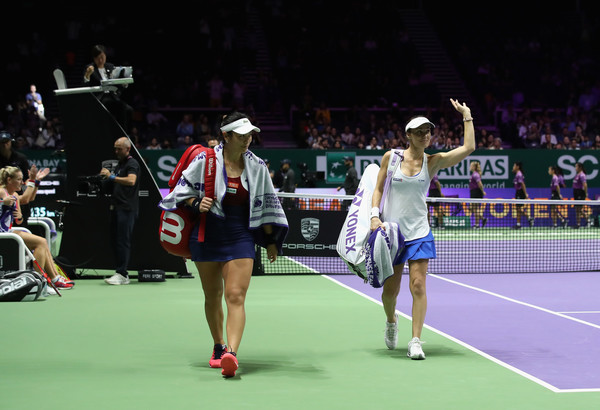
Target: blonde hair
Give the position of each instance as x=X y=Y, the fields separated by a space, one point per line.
x=477 y=166
x=8 y=172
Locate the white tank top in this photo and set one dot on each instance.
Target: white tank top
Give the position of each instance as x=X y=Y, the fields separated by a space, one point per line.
x=406 y=202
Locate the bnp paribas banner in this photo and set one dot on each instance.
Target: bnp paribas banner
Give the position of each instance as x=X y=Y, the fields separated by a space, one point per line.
x=329 y=165
x=496 y=166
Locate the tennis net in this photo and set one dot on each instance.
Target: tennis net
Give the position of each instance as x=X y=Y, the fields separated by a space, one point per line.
x=471 y=235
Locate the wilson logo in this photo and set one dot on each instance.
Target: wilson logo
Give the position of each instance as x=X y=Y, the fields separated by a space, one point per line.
x=210 y=166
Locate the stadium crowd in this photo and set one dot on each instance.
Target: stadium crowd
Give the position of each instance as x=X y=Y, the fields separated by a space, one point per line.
x=349 y=81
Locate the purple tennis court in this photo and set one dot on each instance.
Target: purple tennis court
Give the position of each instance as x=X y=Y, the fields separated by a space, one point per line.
x=544 y=326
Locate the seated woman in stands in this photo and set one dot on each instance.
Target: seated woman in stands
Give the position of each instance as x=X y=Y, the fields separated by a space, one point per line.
x=11 y=181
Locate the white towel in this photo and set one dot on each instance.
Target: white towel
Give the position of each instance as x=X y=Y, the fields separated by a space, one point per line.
x=265 y=206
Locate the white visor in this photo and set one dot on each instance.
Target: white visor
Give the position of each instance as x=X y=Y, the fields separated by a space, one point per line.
x=417 y=122
x=242 y=126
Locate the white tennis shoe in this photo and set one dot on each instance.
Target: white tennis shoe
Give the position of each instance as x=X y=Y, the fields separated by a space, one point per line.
x=415 y=351
x=391 y=334
x=117 y=279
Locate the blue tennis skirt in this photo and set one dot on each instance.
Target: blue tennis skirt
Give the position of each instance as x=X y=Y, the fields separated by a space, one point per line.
x=224 y=239
x=423 y=248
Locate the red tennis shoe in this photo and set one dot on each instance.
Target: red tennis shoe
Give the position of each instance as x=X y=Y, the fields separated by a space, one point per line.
x=215 y=359
x=229 y=364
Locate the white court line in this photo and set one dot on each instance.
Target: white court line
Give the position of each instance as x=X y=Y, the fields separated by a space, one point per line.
x=582 y=311
x=472 y=348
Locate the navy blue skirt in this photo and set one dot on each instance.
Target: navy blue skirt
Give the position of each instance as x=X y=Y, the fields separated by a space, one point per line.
x=224 y=239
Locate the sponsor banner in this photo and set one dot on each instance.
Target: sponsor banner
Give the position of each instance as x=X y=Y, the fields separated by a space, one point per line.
x=313 y=233
x=496 y=165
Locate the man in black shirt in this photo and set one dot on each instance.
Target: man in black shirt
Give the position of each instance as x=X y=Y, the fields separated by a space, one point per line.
x=123 y=181
x=351 y=182
x=288 y=183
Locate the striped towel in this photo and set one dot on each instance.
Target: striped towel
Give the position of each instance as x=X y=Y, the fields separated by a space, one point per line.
x=382 y=248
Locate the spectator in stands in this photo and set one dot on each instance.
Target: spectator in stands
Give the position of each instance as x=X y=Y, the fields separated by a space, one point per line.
x=347 y=136
x=325 y=144
x=154 y=144
x=34 y=102
x=497 y=144
x=49 y=137
x=532 y=139
x=585 y=142
x=185 y=127
x=312 y=137
x=579 y=134
x=573 y=144
x=523 y=129
x=186 y=142
x=448 y=144
x=361 y=140
x=373 y=144
x=437 y=139
x=548 y=136
x=380 y=135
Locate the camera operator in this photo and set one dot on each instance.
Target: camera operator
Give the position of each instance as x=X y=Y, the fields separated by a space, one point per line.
x=123 y=182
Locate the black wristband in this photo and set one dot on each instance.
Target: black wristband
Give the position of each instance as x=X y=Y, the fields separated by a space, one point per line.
x=270 y=239
x=196 y=205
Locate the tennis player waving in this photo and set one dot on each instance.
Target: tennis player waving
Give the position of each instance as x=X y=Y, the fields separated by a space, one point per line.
x=406 y=205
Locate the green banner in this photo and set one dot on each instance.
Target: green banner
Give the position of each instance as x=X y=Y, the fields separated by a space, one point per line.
x=496 y=165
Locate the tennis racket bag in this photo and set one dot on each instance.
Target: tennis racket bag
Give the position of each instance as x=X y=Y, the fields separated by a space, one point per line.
x=357 y=226
x=21 y=286
x=353 y=242
x=176 y=226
